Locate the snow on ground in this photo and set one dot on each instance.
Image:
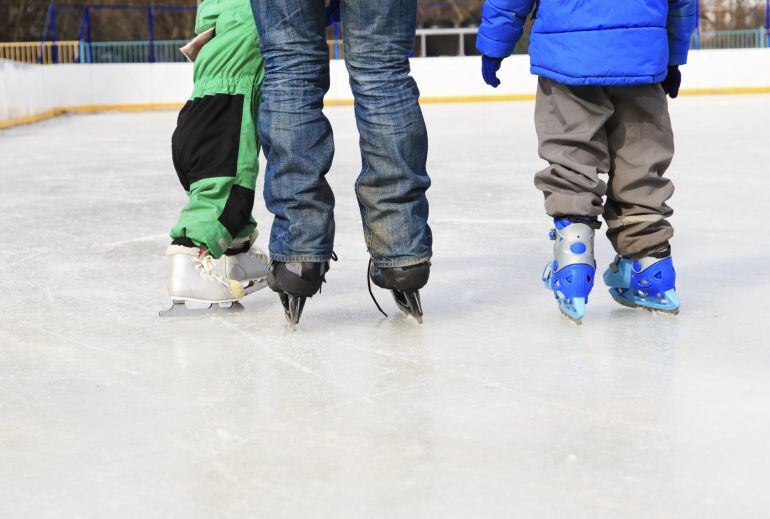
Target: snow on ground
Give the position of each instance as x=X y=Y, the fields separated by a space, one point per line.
x=495 y=407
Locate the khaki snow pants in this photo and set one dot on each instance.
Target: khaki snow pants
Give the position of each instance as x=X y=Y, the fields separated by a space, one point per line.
x=622 y=131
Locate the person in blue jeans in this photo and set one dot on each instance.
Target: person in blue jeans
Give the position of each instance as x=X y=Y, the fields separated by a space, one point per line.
x=298 y=143
x=604 y=67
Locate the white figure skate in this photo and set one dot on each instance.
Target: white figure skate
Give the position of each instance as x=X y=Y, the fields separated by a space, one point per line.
x=198 y=284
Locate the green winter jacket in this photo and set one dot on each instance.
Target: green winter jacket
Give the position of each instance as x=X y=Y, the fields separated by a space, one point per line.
x=230 y=62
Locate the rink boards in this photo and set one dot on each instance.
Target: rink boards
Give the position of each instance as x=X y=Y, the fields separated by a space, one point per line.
x=29 y=93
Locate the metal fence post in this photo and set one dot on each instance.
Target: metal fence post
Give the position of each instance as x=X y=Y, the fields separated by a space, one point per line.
x=697 y=24
x=45 y=32
x=767 y=23
x=54 y=48
x=336 y=41
x=82 y=36
x=88 y=36
x=151 y=23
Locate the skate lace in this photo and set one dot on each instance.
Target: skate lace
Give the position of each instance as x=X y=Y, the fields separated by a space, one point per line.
x=206 y=266
x=369 y=284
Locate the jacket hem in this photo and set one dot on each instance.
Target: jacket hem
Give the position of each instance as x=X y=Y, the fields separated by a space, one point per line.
x=597 y=80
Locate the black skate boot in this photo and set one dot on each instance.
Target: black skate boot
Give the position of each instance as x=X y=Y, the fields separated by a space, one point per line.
x=405 y=284
x=294 y=283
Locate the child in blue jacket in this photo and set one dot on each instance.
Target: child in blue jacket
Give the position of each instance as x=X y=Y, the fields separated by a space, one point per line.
x=604 y=67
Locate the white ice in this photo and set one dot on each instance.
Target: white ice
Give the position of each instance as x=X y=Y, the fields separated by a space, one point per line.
x=495 y=407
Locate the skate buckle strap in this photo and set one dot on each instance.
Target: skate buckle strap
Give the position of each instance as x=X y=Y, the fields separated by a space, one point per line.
x=615 y=265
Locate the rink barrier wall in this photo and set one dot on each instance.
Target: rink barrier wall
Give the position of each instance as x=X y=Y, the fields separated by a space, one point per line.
x=31 y=93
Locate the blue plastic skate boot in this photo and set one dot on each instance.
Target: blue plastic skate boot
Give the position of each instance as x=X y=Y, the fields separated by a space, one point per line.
x=648 y=283
x=571 y=273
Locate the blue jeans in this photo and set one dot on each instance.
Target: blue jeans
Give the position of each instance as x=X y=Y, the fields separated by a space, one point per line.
x=298 y=142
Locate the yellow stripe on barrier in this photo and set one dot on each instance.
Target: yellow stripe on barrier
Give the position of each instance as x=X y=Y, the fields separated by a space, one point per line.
x=27 y=119
x=478 y=99
x=338 y=102
x=726 y=91
x=18 y=121
x=449 y=99
x=124 y=107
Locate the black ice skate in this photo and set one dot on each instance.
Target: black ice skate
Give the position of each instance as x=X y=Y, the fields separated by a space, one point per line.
x=294 y=283
x=405 y=284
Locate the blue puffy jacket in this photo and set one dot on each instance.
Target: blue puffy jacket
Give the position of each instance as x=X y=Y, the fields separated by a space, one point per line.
x=593 y=42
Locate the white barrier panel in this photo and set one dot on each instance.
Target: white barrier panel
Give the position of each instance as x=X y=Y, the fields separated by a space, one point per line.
x=33 y=92
x=729 y=69
x=22 y=90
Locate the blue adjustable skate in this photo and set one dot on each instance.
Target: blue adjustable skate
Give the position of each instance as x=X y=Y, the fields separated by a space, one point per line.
x=571 y=274
x=648 y=283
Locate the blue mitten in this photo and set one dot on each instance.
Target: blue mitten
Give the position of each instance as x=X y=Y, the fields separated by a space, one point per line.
x=489 y=68
x=672 y=82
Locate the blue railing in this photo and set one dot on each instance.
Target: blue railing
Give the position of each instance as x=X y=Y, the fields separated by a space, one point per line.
x=737 y=39
x=163 y=51
x=167 y=51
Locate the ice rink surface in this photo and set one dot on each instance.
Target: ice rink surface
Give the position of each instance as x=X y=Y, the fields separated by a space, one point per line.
x=495 y=407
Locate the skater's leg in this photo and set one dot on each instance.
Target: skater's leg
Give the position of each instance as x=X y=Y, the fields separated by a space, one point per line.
x=570 y=128
x=298 y=143
x=641 y=143
x=642 y=147
x=379 y=36
x=243 y=260
x=215 y=146
x=237 y=214
x=209 y=160
x=296 y=136
x=215 y=150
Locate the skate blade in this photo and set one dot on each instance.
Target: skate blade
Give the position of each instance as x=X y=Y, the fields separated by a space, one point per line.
x=630 y=304
x=200 y=309
x=409 y=303
x=574 y=320
x=254 y=286
x=292 y=309
x=574 y=312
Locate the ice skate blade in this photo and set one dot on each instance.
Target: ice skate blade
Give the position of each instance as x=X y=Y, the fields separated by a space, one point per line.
x=254 y=286
x=574 y=320
x=630 y=304
x=409 y=303
x=292 y=309
x=201 y=309
x=573 y=311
